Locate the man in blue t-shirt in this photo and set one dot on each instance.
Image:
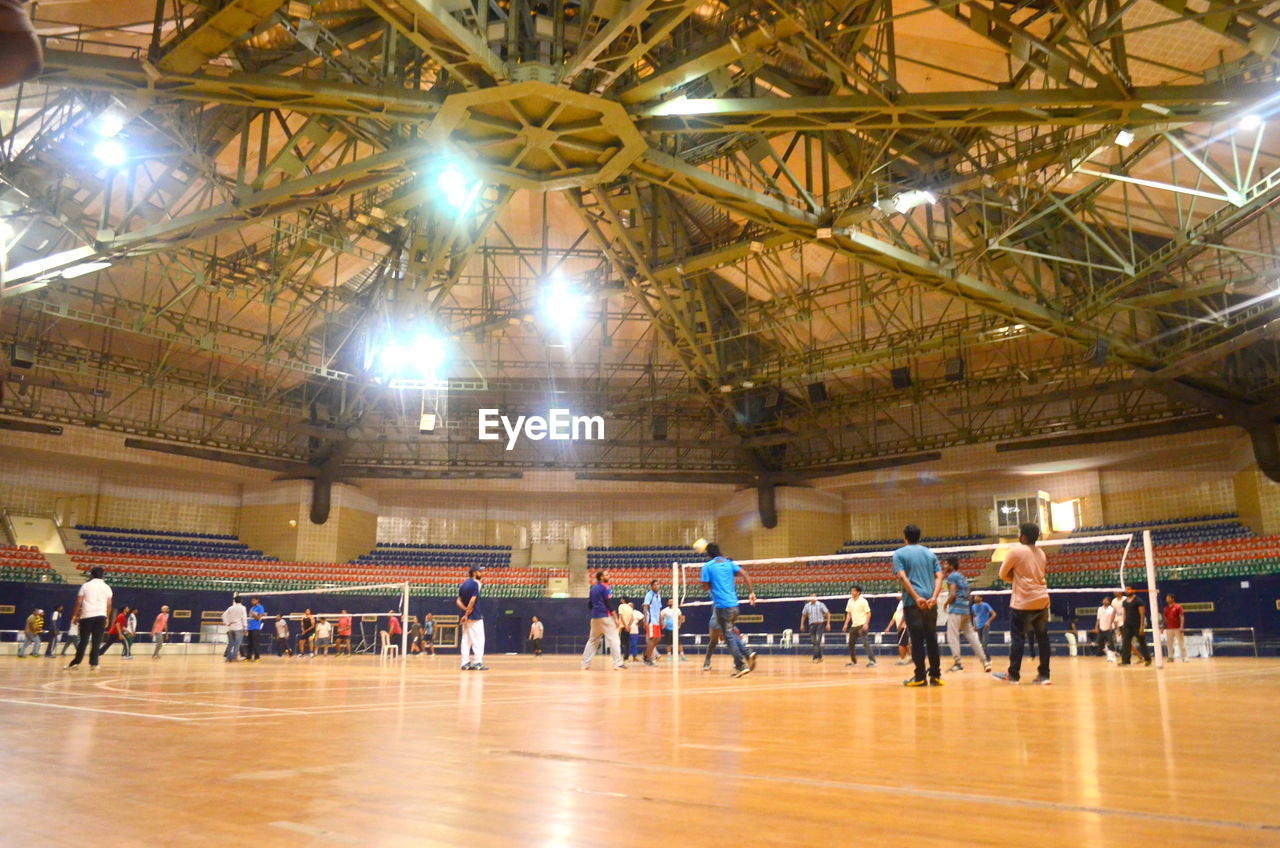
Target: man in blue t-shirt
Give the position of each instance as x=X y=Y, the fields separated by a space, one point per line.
x=983 y=614
x=918 y=570
x=256 y=613
x=959 y=619
x=471 y=623
x=720 y=578
x=652 y=622
x=604 y=622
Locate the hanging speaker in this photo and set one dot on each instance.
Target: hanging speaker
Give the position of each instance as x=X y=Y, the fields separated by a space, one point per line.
x=901 y=377
x=818 y=392
x=1098 y=356
x=659 y=428
x=955 y=370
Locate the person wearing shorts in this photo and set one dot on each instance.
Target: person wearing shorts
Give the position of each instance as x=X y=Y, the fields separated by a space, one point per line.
x=282 y=636
x=344 y=634
x=429 y=634
x=306 y=639
x=324 y=636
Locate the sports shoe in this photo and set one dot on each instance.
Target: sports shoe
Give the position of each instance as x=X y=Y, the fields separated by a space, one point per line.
x=1041 y=681
x=751 y=661
x=871 y=664
x=469 y=667
x=987 y=668
x=904 y=662
x=955 y=667
x=706 y=666
x=915 y=682
x=846 y=665
x=1004 y=677
x=1146 y=662
x=936 y=681
x=742 y=672
x=648 y=662
x=620 y=667
x=479 y=668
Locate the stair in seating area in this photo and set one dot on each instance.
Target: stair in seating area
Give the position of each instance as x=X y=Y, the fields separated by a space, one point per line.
x=66 y=569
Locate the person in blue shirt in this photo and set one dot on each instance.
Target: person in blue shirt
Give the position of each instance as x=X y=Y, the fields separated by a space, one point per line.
x=918 y=570
x=652 y=622
x=959 y=619
x=720 y=578
x=471 y=623
x=256 y=613
x=983 y=614
x=604 y=622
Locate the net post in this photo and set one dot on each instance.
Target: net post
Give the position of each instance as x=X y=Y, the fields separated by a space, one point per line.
x=404 y=621
x=675 y=619
x=1153 y=596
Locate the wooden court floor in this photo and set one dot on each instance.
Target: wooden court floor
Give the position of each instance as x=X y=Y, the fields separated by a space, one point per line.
x=536 y=752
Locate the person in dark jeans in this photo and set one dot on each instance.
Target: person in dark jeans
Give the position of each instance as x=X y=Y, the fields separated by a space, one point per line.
x=90 y=615
x=55 y=626
x=1024 y=569
x=1135 y=625
x=920 y=573
x=816 y=618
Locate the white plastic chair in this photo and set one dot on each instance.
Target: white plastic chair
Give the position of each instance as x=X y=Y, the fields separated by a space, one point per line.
x=786 y=637
x=390 y=650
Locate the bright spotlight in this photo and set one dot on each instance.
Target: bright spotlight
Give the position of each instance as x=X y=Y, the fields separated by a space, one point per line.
x=458 y=189
x=1250 y=122
x=430 y=354
x=110 y=153
x=410 y=357
x=1124 y=138
x=562 y=305
x=906 y=201
x=109 y=124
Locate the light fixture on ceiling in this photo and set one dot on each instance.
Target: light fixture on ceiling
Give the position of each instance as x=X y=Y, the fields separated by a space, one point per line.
x=1250 y=122
x=1124 y=138
x=748 y=384
x=110 y=152
x=418 y=355
x=725 y=389
x=457 y=186
x=905 y=201
x=109 y=122
x=84 y=268
x=563 y=305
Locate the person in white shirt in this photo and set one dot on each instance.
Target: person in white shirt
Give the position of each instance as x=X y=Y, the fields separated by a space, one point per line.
x=535 y=636
x=857 y=623
x=626 y=613
x=904 y=645
x=670 y=617
x=90 y=615
x=1104 y=629
x=236 y=618
x=324 y=635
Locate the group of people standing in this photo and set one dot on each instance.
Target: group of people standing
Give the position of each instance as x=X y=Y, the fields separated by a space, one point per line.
x=1120 y=627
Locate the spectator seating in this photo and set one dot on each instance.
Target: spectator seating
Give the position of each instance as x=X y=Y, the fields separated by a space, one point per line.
x=21 y=563
x=152 y=543
x=458 y=557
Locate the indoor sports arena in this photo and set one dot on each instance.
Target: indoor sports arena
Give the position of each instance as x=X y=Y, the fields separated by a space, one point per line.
x=687 y=422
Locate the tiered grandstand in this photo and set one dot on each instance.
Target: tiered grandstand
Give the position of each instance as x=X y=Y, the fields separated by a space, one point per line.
x=151 y=559
x=26 y=564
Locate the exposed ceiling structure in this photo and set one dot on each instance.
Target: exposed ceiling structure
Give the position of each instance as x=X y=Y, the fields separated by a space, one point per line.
x=811 y=237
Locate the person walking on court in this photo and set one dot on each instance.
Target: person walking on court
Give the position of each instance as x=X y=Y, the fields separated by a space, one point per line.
x=253 y=630
x=1104 y=629
x=633 y=632
x=53 y=628
x=90 y=617
x=1134 y=629
x=917 y=569
x=344 y=634
x=429 y=633
x=653 y=622
x=535 y=636
x=236 y=619
x=307 y=635
x=959 y=619
x=720 y=578
x=604 y=622
x=1174 y=622
x=816 y=618
x=857 y=623
x=115 y=633
x=160 y=630
x=1024 y=568
x=983 y=615
x=626 y=612
x=282 y=636
x=70 y=638
x=897 y=623
x=31 y=630
x=471 y=622
x=130 y=631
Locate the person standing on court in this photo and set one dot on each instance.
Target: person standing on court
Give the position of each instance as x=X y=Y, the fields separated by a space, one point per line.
x=31 y=634
x=959 y=619
x=653 y=622
x=236 y=619
x=471 y=623
x=1024 y=568
x=626 y=612
x=1104 y=629
x=917 y=569
x=720 y=578
x=857 y=623
x=816 y=618
x=1134 y=629
x=1175 y=620
x=535 y=636
x=604 y=622
x=253 y=630
x=159 y=630
x=983 y=614
x=429 y=633
x=53 y=627
x=282 y=636
x=90 y=616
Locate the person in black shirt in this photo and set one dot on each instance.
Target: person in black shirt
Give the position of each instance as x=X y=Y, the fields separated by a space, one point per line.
x=1135 y=624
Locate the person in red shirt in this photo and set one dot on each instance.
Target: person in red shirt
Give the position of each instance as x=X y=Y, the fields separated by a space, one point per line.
x=117 y=631
x=1174 y=619
x=344 y=634
x=393 y=628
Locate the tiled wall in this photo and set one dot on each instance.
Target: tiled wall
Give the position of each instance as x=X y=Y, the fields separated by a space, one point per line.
x=809 y=522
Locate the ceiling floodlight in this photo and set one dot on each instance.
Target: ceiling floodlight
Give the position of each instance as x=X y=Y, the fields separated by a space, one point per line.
x=906 y=201
x=86 y=268
x=110 y=153
x=109 y=123
x=563 y=305
x=1124 y=138
x=457 y=186
x=1250 y=122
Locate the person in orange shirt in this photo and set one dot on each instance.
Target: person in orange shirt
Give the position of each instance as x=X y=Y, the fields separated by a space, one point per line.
x=344 y=634
x=1024 y=568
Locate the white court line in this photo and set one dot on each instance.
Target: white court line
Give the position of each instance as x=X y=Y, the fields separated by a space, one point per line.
x=737 y=749
x=315 y=832
x=92 y=709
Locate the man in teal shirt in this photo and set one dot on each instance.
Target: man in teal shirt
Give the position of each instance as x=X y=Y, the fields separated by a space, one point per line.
x=720 y=578
x=917 y=568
